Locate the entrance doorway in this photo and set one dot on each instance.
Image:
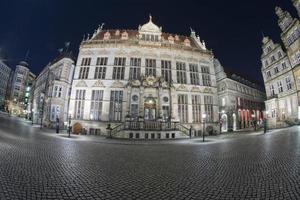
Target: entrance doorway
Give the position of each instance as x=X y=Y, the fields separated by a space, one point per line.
x=234 y=121
x=77 y=128
x=224 y=123
x=150 y=108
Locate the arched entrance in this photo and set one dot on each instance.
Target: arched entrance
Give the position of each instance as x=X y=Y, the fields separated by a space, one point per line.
x=224 y=123
x=77 y=128
x=234 y=122
x=150 y=108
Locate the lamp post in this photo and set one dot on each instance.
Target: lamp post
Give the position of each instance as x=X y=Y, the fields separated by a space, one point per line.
x=69 y=125
x=265 y=121
x=203 y=132
x=221 y=120
x=254 y=121
x=32 y=114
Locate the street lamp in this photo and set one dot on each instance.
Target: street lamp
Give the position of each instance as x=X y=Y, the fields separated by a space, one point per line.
x=221 y=121
x=204 y=120
x=254 y=121
x=32 y=114
x=265 y=121
x=69 y=125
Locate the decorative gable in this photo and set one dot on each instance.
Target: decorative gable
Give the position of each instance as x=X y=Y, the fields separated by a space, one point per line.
x=124 y=36
x=171 y=39
x=98 y=83
x=187 y=42
x=106 y=36
x=81 y=84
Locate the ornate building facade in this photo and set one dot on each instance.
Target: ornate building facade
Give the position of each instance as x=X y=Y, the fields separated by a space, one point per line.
x=241 y=102
x=20 y=96
x=281 y=72
x=51 y=95
x=144 y=84
x=5 y=74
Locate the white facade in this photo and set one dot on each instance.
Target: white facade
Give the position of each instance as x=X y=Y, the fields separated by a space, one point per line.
x=5 y=73
x=21 y=86
x=51 y=94
x=241 y=102
x=281 y=72
x=147 y=77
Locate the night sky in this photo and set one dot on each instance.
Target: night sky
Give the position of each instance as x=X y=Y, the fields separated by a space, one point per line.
x=232 y=28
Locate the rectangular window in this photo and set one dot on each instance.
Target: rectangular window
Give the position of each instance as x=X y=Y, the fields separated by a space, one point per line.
x=166 y=113
x=150 y=67
x=268 y=74
x=135 y=69
x=181 y=72
x=196 y=107
x=208 y=105
x=84 y=72
x=79 y=104
x=166 y=70
x=276 y=70
x=206 y=79
x=86 y=61
x=100 y=73
x=96 y=105
x=183 y=108
x=288 y=83
x=280 y=88
x=120 y=61
x=119 y=68
x=194 y=74
x=102 y=61
x=283 y=65
x=272 y=91
x=115 y=109
x=134 y=111
x=205 y=70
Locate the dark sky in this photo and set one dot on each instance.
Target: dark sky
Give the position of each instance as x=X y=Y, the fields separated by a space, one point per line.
x=232 y=28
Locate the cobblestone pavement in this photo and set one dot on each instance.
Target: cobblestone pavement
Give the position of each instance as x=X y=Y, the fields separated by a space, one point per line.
x=35 y=165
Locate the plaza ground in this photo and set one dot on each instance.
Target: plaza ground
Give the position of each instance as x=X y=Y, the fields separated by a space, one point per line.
x=39 y=164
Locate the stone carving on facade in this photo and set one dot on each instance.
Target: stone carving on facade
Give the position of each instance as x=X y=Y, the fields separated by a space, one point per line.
x=182 y=88
x=195 y=89
x=99 y=83
x=134 y=83
x=117 y=84
x=81 y=84
x=150 y=81
x=208 y=90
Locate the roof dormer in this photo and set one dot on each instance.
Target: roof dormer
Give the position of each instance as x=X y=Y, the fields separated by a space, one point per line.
x=106 y=36
x=150 y=33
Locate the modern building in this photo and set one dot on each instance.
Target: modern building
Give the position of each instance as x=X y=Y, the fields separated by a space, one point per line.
x=20 y=90
x=144 y=84
x=281 y=72
x=241 y=102
x=52 y=92
x=5 y=73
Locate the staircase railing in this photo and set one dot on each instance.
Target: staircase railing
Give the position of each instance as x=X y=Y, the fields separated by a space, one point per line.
x=183 y=129
x=117 y=129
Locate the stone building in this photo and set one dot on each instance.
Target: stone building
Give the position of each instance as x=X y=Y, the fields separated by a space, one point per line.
x=5 y=74
x=20 y=90
x=52 y=91
x=144 y=84
x=241 y=102
x=281 y=72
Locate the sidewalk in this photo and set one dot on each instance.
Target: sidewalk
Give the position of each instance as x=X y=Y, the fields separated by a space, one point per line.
x=63 y=134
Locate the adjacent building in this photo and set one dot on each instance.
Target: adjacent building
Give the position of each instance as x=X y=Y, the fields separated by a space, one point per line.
x=5 y=74
x=21 y=87
x=241 y=102
x=52 y=92
x=144 y=83
x=281 y=72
